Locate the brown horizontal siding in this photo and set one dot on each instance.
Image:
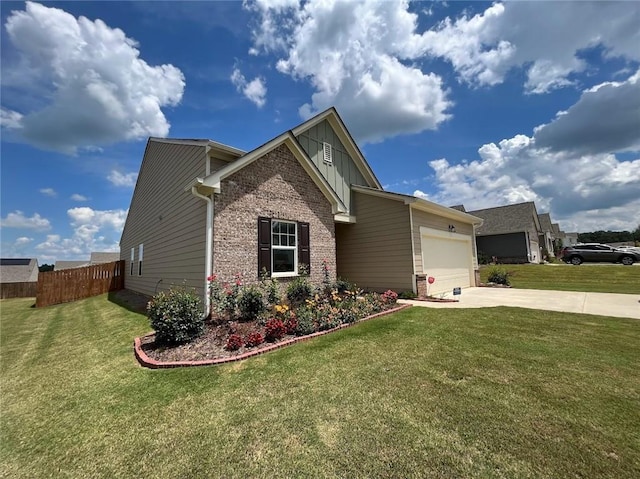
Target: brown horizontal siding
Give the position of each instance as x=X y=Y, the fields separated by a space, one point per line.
x=375 y=252
x=167 y=220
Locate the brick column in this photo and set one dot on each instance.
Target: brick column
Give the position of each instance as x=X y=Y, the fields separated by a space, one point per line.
x=421 y=285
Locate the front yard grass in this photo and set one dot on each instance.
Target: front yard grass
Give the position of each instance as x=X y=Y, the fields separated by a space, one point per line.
x=596 y=278
x=495 y=392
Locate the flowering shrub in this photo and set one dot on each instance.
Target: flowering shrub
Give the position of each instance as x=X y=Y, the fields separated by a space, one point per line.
x=389 y=297
x=253 y=339
x=299 y=290
x=291 y=324
x=251 y=303
x=176 y=315
x=274 y=330
x=234 y=342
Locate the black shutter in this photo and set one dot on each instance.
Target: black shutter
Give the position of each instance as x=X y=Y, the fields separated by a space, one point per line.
x=304 y=254
x=264 y=245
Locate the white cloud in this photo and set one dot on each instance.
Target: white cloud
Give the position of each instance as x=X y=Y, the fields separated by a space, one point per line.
x=50 y=192
x=605 y=119
x=570 y=186
x=22 y=241
x=98 y=89
x=357 y=56
x=93 y=230
x=10 y=119
x=545 y=38
x=127 y=180
x=255 y=90
x=78 y=197
x=17 y=219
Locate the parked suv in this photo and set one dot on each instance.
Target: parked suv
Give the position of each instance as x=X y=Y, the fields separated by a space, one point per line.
x=595 y=252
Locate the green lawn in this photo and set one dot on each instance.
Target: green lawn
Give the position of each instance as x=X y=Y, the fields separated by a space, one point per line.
x=598 y=278
x=500 y=392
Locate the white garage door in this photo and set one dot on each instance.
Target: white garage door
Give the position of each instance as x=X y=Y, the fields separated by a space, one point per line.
x=448 y=258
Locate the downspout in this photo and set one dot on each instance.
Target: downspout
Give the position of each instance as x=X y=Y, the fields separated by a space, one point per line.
x=209 y=247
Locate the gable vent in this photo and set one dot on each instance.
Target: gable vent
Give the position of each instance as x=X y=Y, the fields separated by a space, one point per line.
x=326 y=152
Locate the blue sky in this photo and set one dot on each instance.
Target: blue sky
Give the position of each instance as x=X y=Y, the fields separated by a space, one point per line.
x=475 y=103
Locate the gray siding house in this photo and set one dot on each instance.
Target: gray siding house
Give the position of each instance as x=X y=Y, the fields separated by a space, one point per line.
x=510 y=233
x=307 y=196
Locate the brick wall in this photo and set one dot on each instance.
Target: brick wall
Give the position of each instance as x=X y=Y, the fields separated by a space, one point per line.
x=274 y=186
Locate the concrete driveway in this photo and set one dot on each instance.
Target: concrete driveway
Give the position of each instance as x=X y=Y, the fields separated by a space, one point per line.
x=605 y=304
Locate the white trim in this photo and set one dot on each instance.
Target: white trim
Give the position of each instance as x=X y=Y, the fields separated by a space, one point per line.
x=294 y=248
x=341 y=218
x=425 y=231
x=208 y=265
x=413 y=246
x=327 y=155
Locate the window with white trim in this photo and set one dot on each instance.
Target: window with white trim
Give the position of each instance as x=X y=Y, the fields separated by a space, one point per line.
x=133 y=258
x=284 y=248
x=140 y=249
x=326 y=153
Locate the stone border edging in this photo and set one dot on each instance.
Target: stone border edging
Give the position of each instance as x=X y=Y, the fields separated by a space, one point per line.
x=150 y=363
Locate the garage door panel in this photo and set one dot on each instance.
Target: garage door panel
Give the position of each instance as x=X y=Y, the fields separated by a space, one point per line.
x=448 y=259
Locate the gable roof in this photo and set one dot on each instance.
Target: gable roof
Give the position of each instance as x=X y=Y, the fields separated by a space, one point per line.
x=102 y=257
x=545 y=222
x=507 y=219
x=213 y=181
x=18 y=270
x=333 y=118
x=421 y=204
x=69 y=265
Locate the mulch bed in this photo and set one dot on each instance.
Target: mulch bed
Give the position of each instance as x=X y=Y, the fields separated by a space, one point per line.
x=210 y=347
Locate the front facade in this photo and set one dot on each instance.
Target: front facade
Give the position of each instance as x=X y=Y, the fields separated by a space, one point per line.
x=510 y=234
x=292 y=205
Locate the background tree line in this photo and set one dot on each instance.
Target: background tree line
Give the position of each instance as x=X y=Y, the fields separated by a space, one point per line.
x=610 y=236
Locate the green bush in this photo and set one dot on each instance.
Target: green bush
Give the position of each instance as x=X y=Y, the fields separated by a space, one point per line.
x=251 y=303
x=176 y=315
x=342 y=285
x=499 y=276
x=407 y=295
x=306 y=323
x=299 y=290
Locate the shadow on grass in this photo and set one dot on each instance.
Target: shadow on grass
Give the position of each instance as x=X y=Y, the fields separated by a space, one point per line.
x=134 y=302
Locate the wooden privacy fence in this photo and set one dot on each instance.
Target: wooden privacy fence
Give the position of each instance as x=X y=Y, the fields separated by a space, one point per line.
x=67 y=285
x=18 y=290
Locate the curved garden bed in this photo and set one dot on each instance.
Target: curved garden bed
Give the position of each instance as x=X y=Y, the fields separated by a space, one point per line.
x=209 y=349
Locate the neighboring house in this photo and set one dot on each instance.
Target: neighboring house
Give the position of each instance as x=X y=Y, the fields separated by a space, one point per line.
x=308 y=196
x=570 y=239
x=100 y=257
x=547 y=235
x=60 y=265
x=96 y=258
x=18 y=277
x=509 y=233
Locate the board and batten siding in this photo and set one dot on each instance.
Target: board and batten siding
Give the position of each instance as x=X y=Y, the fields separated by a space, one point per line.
x=343 y=172
x=430 y=220
x=375 y=251
x=169 y=221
